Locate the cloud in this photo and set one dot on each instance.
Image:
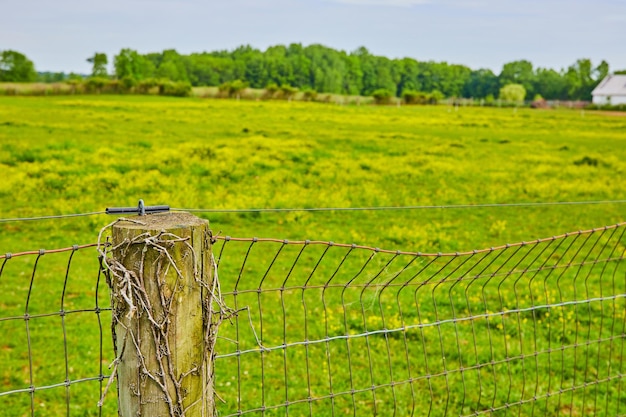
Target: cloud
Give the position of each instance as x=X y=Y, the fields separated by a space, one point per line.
x=396 y=3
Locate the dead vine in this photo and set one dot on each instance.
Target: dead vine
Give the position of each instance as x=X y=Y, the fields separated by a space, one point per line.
x=131 y=301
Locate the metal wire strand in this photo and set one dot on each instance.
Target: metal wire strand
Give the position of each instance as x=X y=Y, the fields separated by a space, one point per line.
x=388 y=208
x=52 y=217
x=312 y=209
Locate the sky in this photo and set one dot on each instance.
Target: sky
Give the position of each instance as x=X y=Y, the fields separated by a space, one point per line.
x=60 y=35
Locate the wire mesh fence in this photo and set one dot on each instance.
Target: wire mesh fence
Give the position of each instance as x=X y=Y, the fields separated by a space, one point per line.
x=325 y=329
x=55 y=326
x=535 y=328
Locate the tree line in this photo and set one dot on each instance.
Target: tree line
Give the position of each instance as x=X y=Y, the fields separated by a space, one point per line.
x=326 y=70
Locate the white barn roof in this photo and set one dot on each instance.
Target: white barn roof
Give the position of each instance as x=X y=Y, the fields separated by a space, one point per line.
x=612 y=85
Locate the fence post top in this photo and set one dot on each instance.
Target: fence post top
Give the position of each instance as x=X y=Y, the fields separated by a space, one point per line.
x=161 y=221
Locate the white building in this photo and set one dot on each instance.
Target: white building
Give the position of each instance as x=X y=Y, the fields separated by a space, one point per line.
x=611 y=90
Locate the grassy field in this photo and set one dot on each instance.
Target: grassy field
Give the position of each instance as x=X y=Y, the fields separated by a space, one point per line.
x=82 y=154
x=66 y=155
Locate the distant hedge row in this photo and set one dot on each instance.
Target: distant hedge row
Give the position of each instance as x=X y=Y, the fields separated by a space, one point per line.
x=96 y=85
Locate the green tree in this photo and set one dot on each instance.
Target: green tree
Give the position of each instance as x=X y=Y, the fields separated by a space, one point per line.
x=131 y=67
x=408 y=70
x=601 y=71
x=299 y=65
x=550 y=84
x=514 y=93
x=480 y=84
x=277 y=66
x=368 y=69
x=582 y=78
x=453 y=79
x=171 y=66
x=15 y=67
x=518 y=72
x=99 y=63
x=51 y=77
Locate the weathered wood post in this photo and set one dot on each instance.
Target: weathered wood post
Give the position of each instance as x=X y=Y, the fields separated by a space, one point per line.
x=162 y=283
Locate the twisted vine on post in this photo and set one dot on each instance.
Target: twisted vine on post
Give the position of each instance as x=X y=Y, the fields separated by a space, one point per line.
x=167 y=309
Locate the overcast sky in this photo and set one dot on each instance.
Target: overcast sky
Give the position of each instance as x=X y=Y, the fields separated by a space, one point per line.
x=58 y=35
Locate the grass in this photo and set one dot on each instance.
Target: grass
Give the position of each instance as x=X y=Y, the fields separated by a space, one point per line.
x=84 y=153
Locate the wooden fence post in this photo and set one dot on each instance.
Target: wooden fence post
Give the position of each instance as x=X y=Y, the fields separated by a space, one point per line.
x=162 y=281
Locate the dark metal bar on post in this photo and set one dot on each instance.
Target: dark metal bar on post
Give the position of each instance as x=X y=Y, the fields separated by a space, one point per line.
x=140 y=210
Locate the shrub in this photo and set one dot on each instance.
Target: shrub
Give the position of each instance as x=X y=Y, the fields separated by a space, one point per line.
x=127 y=84
x=609 y=107
x=95 y=84
x=232 y=88
x=287 y=91
x=513 y=93
x=586 y=160
x=414 y=97
x=176 y=89
x=382 y=96
x=76 y=85
x=270 y=91
x=418 y=97
x=309 y=94
x=144 y=86
x=435 y=97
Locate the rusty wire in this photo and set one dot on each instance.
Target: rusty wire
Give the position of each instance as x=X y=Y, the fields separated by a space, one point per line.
x=530 y=328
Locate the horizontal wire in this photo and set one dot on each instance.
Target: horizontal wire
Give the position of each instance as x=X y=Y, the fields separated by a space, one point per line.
x=423 y=207
x=399 y=252
x=60 y=384
x=58 y=216
x=381 y=208
x=47 y=251
x=56 y=313
x=537 y=398
x=419 y=378
x=424 y=325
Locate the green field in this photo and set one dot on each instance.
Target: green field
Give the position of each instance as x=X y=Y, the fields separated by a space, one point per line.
x=74 y=155
x=82 y=154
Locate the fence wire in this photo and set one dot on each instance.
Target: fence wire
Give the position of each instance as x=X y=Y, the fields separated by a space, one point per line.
x=326 y=329
x=534 y=328
x=55 y=326
x=322 y=209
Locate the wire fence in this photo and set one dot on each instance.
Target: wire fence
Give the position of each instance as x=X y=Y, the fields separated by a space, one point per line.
x=325 y=329
x=55 y=326
x=534 y=328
